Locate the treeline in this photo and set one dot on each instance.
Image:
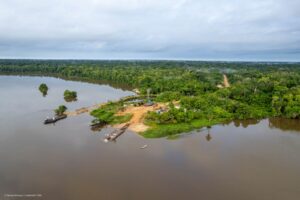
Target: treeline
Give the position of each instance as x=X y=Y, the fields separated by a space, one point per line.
x=190 y=77
x=257 y=90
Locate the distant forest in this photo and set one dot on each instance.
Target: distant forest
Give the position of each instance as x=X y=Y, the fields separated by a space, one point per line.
x=257 y=90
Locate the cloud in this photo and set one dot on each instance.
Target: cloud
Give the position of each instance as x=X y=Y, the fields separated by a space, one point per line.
x=152 y=29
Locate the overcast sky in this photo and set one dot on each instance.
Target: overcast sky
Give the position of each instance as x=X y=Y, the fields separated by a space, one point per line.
x=151 y=29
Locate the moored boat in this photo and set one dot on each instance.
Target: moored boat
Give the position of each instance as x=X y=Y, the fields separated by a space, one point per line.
x=54 y=119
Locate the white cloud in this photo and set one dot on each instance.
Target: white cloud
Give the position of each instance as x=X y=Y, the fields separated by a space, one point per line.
x=150 y=28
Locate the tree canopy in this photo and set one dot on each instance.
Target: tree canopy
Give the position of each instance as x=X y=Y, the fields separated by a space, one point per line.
x=257 y=90
x=43 y=88
x=70 y=96
x=60 y=110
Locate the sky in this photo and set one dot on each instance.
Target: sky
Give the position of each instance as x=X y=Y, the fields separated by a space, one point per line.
x=241 y=30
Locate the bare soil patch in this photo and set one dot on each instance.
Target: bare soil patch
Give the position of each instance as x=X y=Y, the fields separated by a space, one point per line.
x=138 y=115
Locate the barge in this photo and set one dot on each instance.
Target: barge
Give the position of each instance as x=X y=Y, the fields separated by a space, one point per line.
x=54 y=119
x=115 y=134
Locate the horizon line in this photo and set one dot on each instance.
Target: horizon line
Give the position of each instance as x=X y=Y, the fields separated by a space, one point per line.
x=149 y=60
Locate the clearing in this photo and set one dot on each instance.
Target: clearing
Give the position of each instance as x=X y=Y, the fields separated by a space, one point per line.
x=138 y=115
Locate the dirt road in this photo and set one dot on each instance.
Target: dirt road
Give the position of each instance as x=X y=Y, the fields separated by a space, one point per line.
x=226 y=82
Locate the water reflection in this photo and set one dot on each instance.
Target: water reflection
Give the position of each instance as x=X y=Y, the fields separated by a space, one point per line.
x=244 y=123
x=273 y=123
x=68 y=100
x=97 y=127
x=285 y=124
x=44 y=94
x=208 y=137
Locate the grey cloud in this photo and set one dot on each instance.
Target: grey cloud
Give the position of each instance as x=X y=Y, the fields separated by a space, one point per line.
x=151 y=29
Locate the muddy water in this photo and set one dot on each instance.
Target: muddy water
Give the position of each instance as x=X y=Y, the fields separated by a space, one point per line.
x=240 y=160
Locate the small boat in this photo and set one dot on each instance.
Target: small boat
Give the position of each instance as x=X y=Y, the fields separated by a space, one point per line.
x=94 y=125
x=97 y=125
x=54 y=119
x=143 y=147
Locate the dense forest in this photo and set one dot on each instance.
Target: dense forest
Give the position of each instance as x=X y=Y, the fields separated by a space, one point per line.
x=257 y=90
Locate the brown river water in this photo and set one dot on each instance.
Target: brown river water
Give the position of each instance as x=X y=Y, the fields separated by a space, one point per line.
x=251 y=160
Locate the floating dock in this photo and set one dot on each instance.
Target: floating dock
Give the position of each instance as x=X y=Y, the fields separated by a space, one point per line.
x=116 y=133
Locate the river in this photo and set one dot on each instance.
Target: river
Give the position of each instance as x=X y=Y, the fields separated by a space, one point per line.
x=240 y=160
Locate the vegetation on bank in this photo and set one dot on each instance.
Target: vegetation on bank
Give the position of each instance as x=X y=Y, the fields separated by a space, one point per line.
x=172 y=130
x=107 y=114
x=60 y=110
x=258 y=90
x=43 y=88
x=70 y=96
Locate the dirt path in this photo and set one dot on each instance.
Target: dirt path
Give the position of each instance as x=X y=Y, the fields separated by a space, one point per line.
x=83 y=110
x=226 y=82
x=91 y=108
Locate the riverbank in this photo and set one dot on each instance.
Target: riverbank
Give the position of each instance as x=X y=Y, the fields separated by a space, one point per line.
x=119 y=113
x=207 y=92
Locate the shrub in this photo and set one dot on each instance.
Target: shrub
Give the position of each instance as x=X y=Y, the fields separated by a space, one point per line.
x=70 y=95
x=60 y=110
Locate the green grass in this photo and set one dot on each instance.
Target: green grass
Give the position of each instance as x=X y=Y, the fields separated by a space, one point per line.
x=171 y=130
x=121 y=119
x=107 y=114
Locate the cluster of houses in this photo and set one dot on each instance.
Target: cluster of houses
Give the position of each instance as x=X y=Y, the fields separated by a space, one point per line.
x=136 y=100
x=140 y=102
